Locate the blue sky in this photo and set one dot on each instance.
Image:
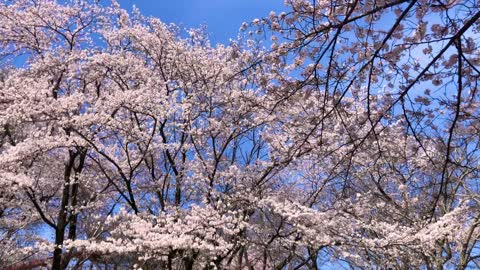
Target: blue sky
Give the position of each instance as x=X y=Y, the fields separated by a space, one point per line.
x=223 y=17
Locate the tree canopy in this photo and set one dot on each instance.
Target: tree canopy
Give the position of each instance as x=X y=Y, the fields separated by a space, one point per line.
x=338 y=133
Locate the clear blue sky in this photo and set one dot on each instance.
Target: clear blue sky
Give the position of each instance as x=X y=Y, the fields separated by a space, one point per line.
x=223 y=17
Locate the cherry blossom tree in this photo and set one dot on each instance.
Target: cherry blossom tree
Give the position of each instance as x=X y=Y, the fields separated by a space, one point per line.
x=351 y=141
x=399 y=78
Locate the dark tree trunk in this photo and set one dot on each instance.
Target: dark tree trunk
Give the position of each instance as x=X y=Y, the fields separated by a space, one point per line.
x=69 y=196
